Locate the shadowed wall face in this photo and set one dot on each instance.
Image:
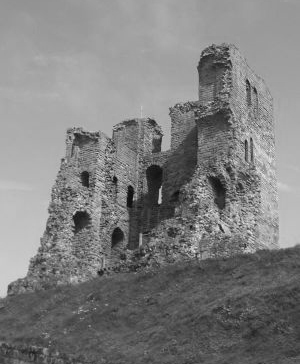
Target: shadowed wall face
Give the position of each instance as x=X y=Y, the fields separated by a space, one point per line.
x=154 y=176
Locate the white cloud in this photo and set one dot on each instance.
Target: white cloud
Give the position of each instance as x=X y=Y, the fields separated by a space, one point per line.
x=283 y=187
x=14 y=186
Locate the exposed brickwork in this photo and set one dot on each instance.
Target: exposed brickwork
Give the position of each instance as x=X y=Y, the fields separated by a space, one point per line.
x=213 y=193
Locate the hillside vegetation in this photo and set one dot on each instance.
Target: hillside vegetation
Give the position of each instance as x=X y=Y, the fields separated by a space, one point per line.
x=239 y=310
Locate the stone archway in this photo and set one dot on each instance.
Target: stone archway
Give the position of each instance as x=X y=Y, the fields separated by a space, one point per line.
x=117 y=238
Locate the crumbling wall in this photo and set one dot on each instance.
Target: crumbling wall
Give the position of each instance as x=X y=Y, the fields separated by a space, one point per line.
x=135 y=139
x=221 y=203
x=213 y=193
x=70 y=253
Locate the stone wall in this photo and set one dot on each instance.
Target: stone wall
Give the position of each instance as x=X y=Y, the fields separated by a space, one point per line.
x=256 y=124
x=23 y=354
x=213 y=193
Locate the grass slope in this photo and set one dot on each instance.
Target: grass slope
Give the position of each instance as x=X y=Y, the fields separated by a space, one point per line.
x=239 y=310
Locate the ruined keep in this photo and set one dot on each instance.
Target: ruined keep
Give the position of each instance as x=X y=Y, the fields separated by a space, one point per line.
x=213 y=193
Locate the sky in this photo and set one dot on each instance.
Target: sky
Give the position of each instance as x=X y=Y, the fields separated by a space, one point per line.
x=93 y=63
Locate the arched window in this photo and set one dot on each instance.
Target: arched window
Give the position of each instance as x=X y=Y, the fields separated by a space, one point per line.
x=248 y=92
x=117 y=237
x=154 y=176
x=130 y=193
x=251 y=150
x=85 y=179
x=218 y=191
x=246 y=151
x=255 y=97
x=81 y=220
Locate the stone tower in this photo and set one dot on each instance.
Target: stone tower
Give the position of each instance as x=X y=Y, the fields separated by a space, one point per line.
x=234 y=187
x=213 y=193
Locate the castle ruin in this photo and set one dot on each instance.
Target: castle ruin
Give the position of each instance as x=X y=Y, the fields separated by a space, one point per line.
x=213 y=193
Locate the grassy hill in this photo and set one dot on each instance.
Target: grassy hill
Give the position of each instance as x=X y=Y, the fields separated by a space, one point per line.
x=239 y=310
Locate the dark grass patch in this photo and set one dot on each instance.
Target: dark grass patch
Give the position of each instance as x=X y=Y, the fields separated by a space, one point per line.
x=238 y=310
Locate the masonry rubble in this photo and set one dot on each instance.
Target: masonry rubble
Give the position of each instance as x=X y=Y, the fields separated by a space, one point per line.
x=121 y=203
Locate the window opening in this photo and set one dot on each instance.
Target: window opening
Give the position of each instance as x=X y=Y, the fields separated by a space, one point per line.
x=154 y=175
x=251 y=150
x=219 y=192
x=130 y=193
x=115 y=188
x=85 y=179
x=156 y=144
x=117 y=237
x=248 y=92
x=246 y=151
x=255 y=95
x=81 y=220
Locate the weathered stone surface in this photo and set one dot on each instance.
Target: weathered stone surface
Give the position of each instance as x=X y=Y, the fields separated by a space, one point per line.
x=25 y=354
x=120 y=203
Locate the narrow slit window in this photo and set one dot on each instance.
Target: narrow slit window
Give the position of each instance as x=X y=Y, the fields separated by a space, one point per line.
x=255 y=96
x=115 y=188
x=246 y=151
x=248 y=93
x=251 y=150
